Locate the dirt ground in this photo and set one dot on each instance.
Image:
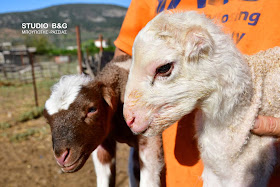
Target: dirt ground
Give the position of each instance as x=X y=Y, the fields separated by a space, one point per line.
x=30 y=162
x=26 y=157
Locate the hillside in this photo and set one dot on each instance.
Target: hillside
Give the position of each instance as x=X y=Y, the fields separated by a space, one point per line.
x=92 y=18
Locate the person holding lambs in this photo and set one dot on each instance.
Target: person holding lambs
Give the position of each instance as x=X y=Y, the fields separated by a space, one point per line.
x=253 y=26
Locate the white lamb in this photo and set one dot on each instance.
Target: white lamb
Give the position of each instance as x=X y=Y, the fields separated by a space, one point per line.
x=182 y=62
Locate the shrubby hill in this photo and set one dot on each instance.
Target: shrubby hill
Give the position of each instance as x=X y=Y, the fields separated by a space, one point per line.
x=93 y=19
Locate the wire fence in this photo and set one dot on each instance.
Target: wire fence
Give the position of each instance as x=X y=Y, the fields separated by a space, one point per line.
x=43 y=69
x=50 y=67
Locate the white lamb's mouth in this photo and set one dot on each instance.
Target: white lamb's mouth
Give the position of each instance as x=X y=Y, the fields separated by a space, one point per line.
x=137 y=133
x=145 y=130
x=142 y=132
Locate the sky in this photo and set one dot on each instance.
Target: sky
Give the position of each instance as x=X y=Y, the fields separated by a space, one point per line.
x=27 y=5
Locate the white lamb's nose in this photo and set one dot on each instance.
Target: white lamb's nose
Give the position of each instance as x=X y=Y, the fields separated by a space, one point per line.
x=129 y=117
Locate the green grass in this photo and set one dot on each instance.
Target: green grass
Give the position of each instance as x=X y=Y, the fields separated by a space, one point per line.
x=5 y=125
x=18 y=109
x=17 y=99
x=34 y=113
x=26 y=134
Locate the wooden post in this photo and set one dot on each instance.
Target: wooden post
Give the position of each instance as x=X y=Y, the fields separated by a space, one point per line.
x=89 y=71
x=21 y=59
x=87 y=54
x=100 y=53
x=101 y=40
x=4 y=71
x=33 y=78
x=78 y=38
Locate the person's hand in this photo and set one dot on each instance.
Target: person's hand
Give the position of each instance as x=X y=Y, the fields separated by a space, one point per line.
x=267 y=126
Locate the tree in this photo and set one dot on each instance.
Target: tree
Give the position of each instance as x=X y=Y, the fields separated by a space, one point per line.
x=41 y=43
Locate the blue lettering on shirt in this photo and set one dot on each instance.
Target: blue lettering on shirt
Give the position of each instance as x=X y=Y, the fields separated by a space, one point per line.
x=173 y=4
x=252 y=18
x=201 y=3
x=161 y=5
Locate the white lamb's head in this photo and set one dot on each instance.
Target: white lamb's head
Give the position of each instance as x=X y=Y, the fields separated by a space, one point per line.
x=175 y=62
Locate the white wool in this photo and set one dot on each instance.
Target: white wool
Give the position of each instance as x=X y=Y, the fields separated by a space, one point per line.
x=152 y=157
x=65 y=92
x=103 y=171
x=228 y=93
x=124 y=65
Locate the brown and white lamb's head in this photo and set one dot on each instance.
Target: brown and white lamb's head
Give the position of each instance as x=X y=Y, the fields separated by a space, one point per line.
x=179 y=60
x=78 y=112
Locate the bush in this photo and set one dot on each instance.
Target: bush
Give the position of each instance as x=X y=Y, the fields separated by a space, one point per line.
x=41 y=43
x=57 y=52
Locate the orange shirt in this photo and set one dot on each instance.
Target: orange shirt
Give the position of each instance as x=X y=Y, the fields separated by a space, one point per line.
x=254 y=26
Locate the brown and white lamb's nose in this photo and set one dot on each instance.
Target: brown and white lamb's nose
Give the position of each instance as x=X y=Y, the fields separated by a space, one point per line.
x=62 y=158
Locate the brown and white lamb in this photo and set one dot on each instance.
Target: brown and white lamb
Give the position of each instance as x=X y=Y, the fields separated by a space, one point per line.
x=86 y=116
x=182 y=61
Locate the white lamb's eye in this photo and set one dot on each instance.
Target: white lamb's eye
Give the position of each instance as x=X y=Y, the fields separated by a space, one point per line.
x=164 y=70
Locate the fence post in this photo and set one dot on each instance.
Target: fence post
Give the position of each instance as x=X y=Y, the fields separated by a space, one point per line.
x=30 y=55
x=100 y=53
x=4 y=71
x=78 y=38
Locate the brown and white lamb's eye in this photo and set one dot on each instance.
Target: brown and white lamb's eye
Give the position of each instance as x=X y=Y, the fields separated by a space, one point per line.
x=164 y=70
x=91 y=111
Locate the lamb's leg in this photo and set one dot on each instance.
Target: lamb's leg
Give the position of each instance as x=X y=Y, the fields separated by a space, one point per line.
x=210 y=178
x=105 y=163
x=151 y=161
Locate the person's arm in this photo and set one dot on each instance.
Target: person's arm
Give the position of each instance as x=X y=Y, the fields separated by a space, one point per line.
x=138 y=15
x=119 y=52
x=267 y=126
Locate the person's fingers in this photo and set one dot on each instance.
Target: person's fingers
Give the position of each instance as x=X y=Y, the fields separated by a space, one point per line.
x=269 y=126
